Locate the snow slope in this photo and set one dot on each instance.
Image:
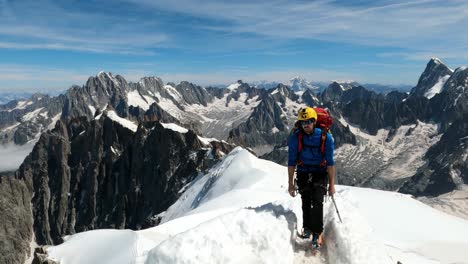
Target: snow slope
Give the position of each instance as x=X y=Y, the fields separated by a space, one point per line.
x=454 y=203
x=437 y=88
x=240 y=212
x=219 y=117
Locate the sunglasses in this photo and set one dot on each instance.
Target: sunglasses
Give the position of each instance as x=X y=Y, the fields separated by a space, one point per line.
x=307 y=122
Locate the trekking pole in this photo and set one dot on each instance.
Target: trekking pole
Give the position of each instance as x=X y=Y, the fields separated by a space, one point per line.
x=296 y=188
x=333 y=199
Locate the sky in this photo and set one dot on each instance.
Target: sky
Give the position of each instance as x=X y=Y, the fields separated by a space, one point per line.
x=51 y=45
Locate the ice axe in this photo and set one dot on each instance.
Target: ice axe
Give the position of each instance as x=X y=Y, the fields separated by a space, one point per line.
x=296 y=187
x=337 y=212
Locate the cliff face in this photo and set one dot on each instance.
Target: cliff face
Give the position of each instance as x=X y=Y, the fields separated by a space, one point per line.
x=15 y=219
x=85 y=175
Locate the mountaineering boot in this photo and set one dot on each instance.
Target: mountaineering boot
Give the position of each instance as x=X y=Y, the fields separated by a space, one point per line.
x=306 y=233
x=317 y=240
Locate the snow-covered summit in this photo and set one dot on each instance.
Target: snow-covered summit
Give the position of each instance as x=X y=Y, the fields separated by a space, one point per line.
x=300 y=84
x=240 y=212
x=436 y=60
x=234 y=86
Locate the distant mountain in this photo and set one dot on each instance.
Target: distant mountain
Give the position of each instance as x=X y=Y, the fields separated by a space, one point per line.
x=6 y=97
x=385 y=89
x=23 y=121
x=264 y=84
x=317 y=87
x=296 y=84
x=300 y=84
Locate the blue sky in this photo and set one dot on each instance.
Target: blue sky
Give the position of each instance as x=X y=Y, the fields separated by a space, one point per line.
x=50 y=45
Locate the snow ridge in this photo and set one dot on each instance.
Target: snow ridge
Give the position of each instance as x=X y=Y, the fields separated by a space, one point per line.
x=240 y=212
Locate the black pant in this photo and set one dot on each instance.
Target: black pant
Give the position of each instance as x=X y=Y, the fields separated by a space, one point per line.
x=312 y=187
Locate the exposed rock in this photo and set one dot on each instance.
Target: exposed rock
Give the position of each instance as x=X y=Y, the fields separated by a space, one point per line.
x=40 y=256
x=258 y=130
x=434 y=71
x=99 y=174
x=15 y=219
x=446 y=168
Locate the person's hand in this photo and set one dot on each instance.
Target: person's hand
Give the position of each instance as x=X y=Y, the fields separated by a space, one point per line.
x=291 y=190
x=331 y=190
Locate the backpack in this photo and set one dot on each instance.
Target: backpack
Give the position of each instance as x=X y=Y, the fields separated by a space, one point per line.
x=324 y=122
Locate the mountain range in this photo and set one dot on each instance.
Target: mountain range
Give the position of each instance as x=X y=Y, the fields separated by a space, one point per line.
x=113 y=154
x=11 y=96
x=299 y=83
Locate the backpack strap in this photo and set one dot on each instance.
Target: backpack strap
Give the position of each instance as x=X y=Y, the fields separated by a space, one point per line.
x=300 y=145
x=323 y=138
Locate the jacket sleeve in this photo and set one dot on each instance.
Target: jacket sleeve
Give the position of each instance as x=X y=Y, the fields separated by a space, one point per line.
x=292 y=149
x=330 y=150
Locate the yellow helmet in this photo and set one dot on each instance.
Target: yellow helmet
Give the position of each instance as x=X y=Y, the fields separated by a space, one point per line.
x=306 y=113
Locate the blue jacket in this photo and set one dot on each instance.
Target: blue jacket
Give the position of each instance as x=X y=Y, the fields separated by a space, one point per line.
x=310 y=154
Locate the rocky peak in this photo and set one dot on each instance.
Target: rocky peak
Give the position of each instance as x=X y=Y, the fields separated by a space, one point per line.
x=153 y=84
x=332 y=93
x=435 y=71
x=235 y=90
x=309 y=98
x=266 y=126
x=458 y=81
x=452 y=102
x=109 y=81
x=194 y=94
x=396 y=96
x=283 y=92
x=346 y=85
x=108 y=90
x=239 y=87
x=104 y=89
x=358 y=92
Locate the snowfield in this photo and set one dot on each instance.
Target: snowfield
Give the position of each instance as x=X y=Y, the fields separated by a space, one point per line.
x=240 y=212
x=391 y=158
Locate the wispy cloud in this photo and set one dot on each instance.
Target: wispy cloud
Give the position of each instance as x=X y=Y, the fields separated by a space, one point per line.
x=423 y=55
x=15 y=78
x=43 y=24
x=13 y=156
x=36 y=73
x=404 y=24
x=72 y=47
